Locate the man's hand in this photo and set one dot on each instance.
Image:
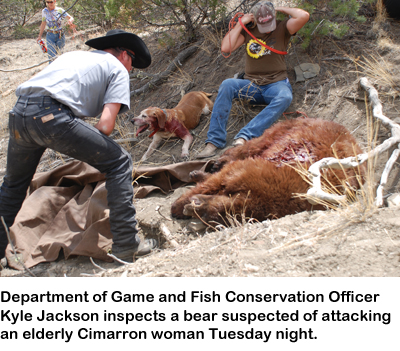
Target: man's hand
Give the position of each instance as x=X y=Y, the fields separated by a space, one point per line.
x=298 y=18
x=234 y=39
x=247 y=18
x=70 y=21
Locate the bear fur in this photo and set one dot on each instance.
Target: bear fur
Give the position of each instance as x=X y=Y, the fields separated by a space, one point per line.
x=259 y=179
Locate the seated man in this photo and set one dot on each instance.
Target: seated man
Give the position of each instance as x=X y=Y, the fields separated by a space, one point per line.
x=265 y=80
x=48 y=114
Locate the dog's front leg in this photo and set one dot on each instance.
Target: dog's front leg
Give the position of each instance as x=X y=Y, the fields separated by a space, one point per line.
x=154 y=144
x=187 y=140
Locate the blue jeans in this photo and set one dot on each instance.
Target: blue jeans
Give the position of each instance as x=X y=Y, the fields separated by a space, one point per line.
x=277 y=95
x=69 y=135
x=55 y=43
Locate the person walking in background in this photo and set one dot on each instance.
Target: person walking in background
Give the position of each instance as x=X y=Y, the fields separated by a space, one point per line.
x=52 y=17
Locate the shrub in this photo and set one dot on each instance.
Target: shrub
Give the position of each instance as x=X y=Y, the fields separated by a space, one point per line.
x=328 y=17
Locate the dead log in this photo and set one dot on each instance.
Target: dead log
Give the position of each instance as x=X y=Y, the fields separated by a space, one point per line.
x=163 y=76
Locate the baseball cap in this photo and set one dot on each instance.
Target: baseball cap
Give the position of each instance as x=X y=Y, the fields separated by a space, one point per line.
x=264 y=14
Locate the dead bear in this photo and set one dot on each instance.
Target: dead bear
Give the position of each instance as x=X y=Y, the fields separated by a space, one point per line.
x=258 y=179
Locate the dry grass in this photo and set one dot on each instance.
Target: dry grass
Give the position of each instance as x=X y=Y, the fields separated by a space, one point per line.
x=380 y=69
x=180 y=79
x=381 y=14
x=359 y=204
x=212 y=40
x=382 y=73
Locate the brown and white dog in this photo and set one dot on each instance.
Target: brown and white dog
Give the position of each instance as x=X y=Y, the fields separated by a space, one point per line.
x=175 y=122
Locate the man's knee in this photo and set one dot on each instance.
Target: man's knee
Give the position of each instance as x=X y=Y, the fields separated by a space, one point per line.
x=122 y=164
x=226 y=85
x=285 y=97
x=126 y=160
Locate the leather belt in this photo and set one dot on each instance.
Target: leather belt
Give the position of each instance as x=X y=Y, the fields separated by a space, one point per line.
x=37 y=99
x=54 y=31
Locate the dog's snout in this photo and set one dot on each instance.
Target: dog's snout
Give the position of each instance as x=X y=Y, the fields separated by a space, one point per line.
x=137 y=119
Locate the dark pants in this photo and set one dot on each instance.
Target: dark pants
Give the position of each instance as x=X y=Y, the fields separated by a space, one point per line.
x=31 y=133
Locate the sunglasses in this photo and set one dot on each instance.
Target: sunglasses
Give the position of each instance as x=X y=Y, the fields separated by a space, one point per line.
x=132 y=56
x=49 y=2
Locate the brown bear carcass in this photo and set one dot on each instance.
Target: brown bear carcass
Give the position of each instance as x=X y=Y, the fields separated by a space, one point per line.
x=258 y=179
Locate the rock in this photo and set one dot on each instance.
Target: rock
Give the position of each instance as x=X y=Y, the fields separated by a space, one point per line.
x=196 y=226
x=306 y=71
x=6 y=93
x=250 y=268
x=3 y=263
x=394 y=200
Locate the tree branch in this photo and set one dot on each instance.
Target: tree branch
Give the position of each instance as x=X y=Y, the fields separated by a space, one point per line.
x=352 y=162
x=23 y=69
x=160 y=78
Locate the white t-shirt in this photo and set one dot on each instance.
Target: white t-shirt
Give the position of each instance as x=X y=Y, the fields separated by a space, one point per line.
x=82 y=80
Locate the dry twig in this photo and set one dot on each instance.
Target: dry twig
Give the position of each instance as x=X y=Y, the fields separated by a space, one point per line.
x=115 y=258
x=96 y=265
x=158 y=210
x=23 y=69
x=17 y=259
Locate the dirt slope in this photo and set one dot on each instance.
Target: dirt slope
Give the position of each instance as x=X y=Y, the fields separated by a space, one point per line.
x=348 y=242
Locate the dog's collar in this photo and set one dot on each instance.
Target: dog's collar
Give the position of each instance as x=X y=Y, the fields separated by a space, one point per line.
x=154 y=132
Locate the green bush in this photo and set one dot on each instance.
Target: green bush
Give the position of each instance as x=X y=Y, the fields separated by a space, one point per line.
x=15 y=14
x=186 y=16
x=21 y=32
x=330 y=19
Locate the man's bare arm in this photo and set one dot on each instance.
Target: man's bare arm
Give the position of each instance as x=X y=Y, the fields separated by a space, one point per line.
x=234 y=39
x=108 y=117
x=298 y=18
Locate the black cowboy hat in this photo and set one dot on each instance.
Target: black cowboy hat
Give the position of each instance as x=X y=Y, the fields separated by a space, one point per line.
x=119 y=38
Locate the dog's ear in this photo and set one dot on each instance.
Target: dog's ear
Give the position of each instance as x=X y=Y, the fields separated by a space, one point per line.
x=161 y=117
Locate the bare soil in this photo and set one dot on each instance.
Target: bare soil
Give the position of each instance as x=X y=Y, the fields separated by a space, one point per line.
x=354 y=240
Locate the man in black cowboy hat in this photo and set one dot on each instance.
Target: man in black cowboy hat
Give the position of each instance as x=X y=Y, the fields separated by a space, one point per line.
x=48 y=115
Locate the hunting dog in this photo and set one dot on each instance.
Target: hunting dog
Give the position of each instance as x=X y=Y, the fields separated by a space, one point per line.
x=175 y=122
x=258 y=179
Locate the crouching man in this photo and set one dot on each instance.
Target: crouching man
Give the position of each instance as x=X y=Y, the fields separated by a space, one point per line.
x=48 y=114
